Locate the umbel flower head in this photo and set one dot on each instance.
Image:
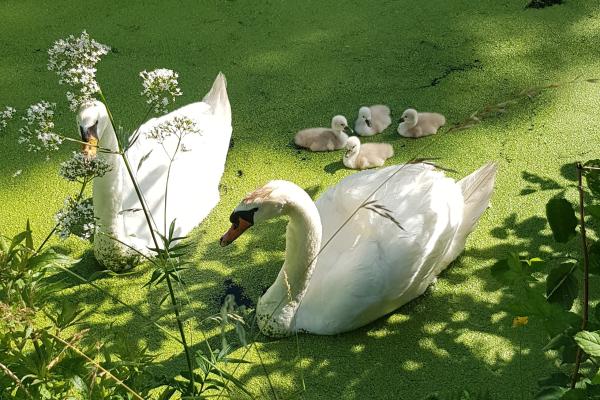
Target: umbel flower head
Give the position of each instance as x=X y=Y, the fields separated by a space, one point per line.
x=177 y=126
x=74 y=60
x=160 y=87
x=38 y=133
x=76 y=218
x=6 y=115
x=82 y=168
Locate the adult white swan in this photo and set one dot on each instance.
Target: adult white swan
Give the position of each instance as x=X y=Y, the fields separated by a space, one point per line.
x=371 y=266
x=192 y=183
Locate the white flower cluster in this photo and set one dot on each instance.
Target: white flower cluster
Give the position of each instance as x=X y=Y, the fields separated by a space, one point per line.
x=6 y=115
x=178 y=126
x=39 y=133
x=76 y=218
x=160 y=88
x=83 y=168
x=74 y=60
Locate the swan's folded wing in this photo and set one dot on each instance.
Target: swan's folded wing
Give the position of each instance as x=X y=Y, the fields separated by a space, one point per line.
x=390 y=250
x=193 y=185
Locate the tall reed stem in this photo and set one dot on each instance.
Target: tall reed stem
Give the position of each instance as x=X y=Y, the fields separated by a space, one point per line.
x=155 y=241
x=586 y=272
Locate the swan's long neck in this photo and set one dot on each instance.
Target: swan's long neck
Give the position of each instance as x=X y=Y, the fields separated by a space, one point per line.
x=107 y=192
x=413 y=122
x=277 y=308
x=350 y=158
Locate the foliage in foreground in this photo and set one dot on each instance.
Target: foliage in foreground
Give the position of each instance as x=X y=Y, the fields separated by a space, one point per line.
x=45 y=355
x=573 y=336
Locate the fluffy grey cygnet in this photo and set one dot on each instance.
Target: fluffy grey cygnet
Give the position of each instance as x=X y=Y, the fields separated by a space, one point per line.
x=368 y=155
x=372 y=120
x=415 y=124
x=324 y=139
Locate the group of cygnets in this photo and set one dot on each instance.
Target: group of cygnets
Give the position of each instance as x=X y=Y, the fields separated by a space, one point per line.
x=371 y=121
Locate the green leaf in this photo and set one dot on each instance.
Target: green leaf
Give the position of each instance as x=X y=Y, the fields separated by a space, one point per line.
x=594 y=211
x=171 y=230
x=575 y=394
x=597 y=312
x=550 y=393
x=17 y=239
x=155 y=275
x=557 y=342
x=596 y=379
x=235 y=381
x=167 y=393
x=555 y=379
x=164 y=298
x=562 y=219
x=594 y=257
x=562 y=285
x=589 y=342
x=513 y=269
x=592 y=177
x=568 y=354
x=28 y=236
x=49 y=258
x=143 y=160
x=535 y=305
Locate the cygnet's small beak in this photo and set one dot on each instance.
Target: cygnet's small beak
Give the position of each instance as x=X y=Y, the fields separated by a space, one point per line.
x=368 y=121
x=401 y=120
x=234 y=232
x=348 y=130
x=90 y=138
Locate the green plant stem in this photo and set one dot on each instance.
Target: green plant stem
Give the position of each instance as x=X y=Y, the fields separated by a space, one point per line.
x=121 y=302
x=107 y=372
x=264 y=367
x=521 y=361
x=186 y=348
x=135 y=135
x=138 y=192
x=171 y=159
x=586 y=272
x=15 y=379
x=153 y=235
x=79 y=196
x=130 y=173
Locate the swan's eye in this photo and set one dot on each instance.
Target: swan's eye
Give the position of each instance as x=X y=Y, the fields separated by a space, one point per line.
x=246 y=215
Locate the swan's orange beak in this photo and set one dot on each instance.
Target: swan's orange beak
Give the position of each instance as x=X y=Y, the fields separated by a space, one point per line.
x=235 y=231
x=90 y=138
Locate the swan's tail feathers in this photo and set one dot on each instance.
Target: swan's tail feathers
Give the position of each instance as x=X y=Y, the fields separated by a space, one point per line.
x=477 y=190
x=217 y=98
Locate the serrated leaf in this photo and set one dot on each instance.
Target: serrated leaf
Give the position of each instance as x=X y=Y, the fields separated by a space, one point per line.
x=561 y=218
x=562 y=285
x=143 y=160
x=589 y=342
